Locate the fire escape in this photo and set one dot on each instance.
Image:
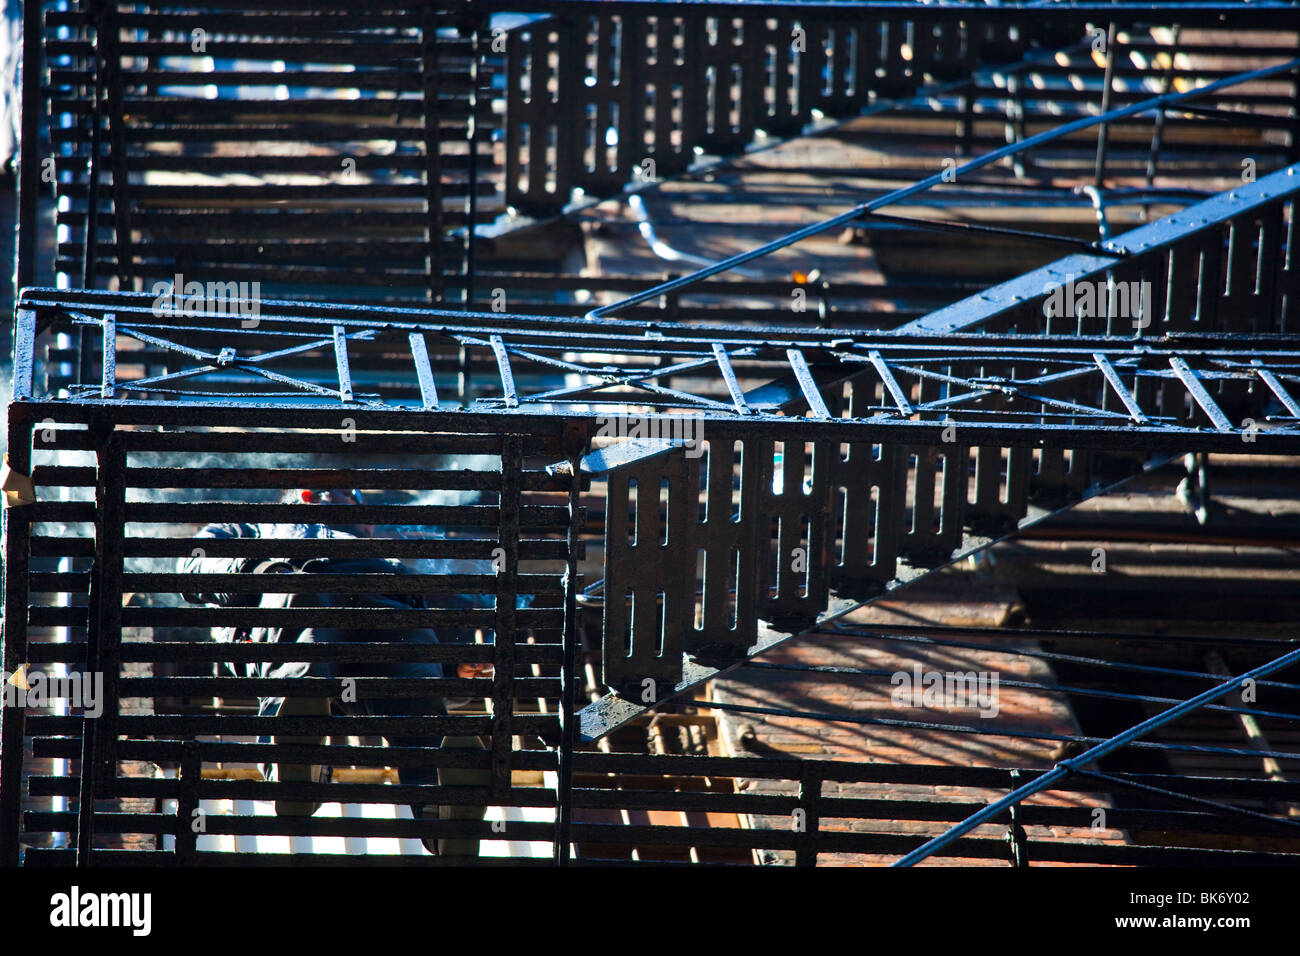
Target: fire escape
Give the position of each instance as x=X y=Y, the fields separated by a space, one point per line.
x=353 y=246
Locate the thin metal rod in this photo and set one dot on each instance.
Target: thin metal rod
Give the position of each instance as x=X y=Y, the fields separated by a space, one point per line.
x=471 y=198
x=894 y=635
x=1193 y=383
x=108 y=380
x=17 y=532
x=1239 y=116
x=1158 y=128
x=29 y=147
x=891 y=383
x=729 y=376
x=807 y=384
x=341 y=360
x=570 y=681
x=430 y=109
x=503 y=366
x=1078 y=634
x=1112 y=376
x=1108 y=83
x=420 y=355
x=1066 y=767
x=935 y=225
x=90 y=248
x=872 y=672
x=1277 y=388
x=1174 y=795
x=982 y=731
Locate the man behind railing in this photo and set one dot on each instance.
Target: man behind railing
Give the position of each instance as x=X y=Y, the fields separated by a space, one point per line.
x=322 y=707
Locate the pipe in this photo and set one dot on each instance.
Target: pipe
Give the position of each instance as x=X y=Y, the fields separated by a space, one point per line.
x=662 y=249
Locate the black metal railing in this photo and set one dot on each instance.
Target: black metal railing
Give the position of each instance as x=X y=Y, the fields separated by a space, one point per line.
x=763 y=479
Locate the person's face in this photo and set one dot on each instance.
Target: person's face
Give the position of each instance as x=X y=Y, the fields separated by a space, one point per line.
x=332 y=497
x=337 y=496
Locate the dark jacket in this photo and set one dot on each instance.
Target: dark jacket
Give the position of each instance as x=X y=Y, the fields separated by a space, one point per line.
x=202 y=564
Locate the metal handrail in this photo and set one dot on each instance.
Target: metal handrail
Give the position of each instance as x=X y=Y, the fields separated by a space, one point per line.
x=1067 y=767
x=946 y=175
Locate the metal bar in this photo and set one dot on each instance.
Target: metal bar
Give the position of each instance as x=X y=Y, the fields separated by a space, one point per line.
x=966 y=134
x=90 y=764
x=199 y=354
x=104 y=603
x=1066 y=767
x=1271 y=380
x=806 y=384
x=729 y=376
x=638 y=339
x=571 y=682
x=810 y=798
x=639 y=344
x=981 y=429
x=91 y=243
x=341 y=361
x=1263 y=14
x=24 y=354
x=1028 y=685
x=1015 y=124
x=30 y=160
x=1238 y=116
x=108 y=380
x=982 y=731
x=110 y=535
x=117 y=144
x=896 y=634
x=187 y=805
x=1283 y=823
x=507 y=377
x=1112 y=376
x=1017 y=840
x=887 y=376
x=471 y=195
x=17 y=541
x=420 y=355
x=1068 y=633
x=1108 y=84
x=968 y=228
x=1208 y=405
x=431 y=114
x=897 y=195
x=505 y=637
x=1158 y=128
x=1098 y=198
